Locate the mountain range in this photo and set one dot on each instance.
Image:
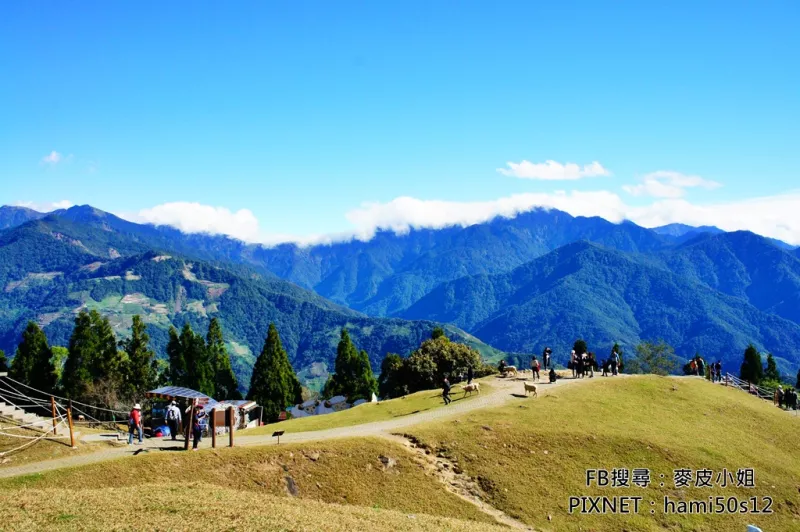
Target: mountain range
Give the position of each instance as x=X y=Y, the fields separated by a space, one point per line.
x=541 y=278
x=54 y=266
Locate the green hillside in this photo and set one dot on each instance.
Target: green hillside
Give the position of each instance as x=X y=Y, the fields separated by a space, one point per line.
x=605 y=296
x=49 y=269
x=536 y=453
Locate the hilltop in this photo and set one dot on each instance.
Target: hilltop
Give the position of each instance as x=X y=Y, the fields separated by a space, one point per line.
x=523 y=460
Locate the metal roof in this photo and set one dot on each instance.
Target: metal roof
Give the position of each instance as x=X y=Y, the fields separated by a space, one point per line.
x=176 y=392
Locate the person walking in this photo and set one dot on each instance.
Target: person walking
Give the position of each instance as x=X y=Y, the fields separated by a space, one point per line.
x=535 y=369
x=469 y=375
x=135 y=423
x=446 y=391
x=592 y=363
x=173 y=417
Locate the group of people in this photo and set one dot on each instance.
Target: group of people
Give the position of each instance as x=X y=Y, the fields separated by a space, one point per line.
x=713 y=371
x=173 y=417
x=786 y=398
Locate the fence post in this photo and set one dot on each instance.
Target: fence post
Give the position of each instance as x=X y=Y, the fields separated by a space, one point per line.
x=71 y=429
x=230 y=425
x=53 y=410
x=189 y=426
x=213 y=426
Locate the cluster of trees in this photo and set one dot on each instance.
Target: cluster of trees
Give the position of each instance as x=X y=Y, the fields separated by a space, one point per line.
x=426 y=367
x=202 y=364
x=753 y=370
x=96 y=368
x=352 y=375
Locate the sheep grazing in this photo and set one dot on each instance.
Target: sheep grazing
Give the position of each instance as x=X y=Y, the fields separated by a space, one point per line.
x=508 y=370
x=473 y=387
x=530 y=387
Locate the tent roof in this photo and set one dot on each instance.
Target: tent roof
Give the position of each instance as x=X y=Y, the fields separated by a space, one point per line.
x=176 y=392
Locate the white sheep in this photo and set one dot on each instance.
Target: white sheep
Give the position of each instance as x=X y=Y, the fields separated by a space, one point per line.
x=472 y=387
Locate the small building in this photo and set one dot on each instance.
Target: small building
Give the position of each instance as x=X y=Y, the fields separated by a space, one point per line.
x=247 y=413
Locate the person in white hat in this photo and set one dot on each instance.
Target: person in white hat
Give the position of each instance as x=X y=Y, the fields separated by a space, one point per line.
x=135 y=423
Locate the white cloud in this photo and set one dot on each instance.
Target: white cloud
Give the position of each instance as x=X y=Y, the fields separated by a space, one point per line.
x=403 y=213
x=52 y=158
x=197 y=218
x=44 y=206
x=773 y=216
x=668 y=184
x=553 y=170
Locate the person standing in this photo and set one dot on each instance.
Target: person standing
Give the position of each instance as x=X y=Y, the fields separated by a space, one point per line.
x=446 y=391
x=614 y=362
x=546 y=357
x=535 y=369
x=197 y=426
x=135 y=423
x=573 y=364
x=592 y=363
x=173 y=416
x=469 y=375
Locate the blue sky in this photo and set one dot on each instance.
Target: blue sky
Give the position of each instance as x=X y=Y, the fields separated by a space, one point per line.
x=300 y=112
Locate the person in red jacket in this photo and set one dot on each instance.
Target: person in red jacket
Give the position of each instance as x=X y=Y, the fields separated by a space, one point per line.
x=135 y=423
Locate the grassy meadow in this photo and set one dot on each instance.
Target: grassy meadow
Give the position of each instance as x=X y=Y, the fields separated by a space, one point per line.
x=531 y=455
x=370 y=412
x=337 y=472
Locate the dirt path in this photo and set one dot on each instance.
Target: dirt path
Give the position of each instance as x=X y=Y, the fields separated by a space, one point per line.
x=503 y=390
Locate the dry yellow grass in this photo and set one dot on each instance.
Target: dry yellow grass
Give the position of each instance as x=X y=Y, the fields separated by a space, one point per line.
x=204 y=507
x=532 y=455
x=342 y=471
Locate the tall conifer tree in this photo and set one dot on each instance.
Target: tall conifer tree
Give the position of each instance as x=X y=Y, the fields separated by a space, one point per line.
x=274 y=384
x=199 y=369
x=176 y=374
x=3 y=362
x=752 y=370
x=93 y=356
x=225 y=384
x=32 y=363
x=353 y=375
x=141 y=368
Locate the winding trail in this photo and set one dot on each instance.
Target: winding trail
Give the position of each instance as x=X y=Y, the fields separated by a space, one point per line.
x=503 y=391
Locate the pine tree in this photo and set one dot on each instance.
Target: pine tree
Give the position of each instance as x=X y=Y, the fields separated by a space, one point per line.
x=93 y=361
x=199 y=369
x=752 y=370
x=274 y=384
x=141 y=368
x=365 y=382
x=772 y=373
x=176 y=373
x=3 y=362
x=225 y=384
x=353 y=376
x=32 y=364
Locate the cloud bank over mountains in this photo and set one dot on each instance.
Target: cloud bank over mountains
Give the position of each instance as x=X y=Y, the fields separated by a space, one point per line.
x=772 y=216
x=775 y=216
